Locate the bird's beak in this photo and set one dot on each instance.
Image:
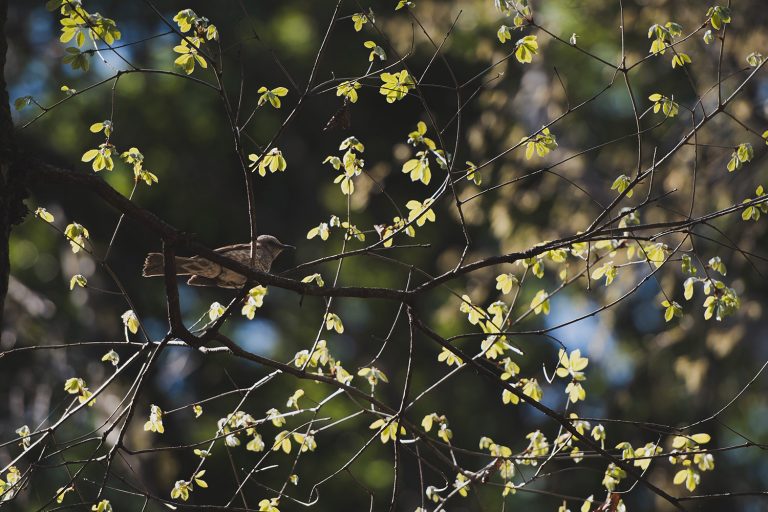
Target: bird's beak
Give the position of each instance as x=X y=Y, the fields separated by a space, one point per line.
x=286 y=246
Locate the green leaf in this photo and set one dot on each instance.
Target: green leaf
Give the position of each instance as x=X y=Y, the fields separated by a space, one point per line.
x=376 y=51
x=185 y=19
x=155 y=421
x=754 y=59
x=701 y=438
x=621 y=184
x=78 y=280
x=672 y=309
x=44 y=214
x=687 y=265
x=111 y=357
x=316 y=278
x=333 y=323
x=664 y=104
x=77 y=235
x=540 y=302
x=526 y=48
x=542 y=143
x=359 y=19
x=76 y=59
x=102 y=506
x=680 y=60
x=272 y=161
x=271 y=95
x=719 y=16
x=717 y=265
x=90 y=155
x=688 y=288
x=505 y=282
x=130 y=321
x=504 y=34
x=395 y=86
x=23 y=102
x=254 y=301
x=215 y=311
x=418 y=169
x=348 y=89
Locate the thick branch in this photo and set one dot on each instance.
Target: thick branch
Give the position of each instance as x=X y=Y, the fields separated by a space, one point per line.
x=41 y=173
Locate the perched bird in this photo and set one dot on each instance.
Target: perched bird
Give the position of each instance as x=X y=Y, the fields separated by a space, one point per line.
x=207 y=273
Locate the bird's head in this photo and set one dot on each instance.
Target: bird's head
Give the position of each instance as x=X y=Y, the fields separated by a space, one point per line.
x=272 y=245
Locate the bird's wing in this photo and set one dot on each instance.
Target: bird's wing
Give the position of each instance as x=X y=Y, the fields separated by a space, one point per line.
x=234 y=247
x=202 y=281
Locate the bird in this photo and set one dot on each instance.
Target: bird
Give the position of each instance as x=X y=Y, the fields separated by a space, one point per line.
x=204 y=272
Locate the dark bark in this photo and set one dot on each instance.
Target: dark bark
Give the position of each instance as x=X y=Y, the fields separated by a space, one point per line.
x=39 y=173
x=12 y=192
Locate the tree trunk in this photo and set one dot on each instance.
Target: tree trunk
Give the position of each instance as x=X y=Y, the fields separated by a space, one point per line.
x=12 y=190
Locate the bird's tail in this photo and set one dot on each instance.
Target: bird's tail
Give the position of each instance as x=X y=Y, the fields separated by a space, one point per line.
x=153 y=265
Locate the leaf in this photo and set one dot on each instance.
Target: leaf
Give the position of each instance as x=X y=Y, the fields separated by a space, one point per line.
x=77 y=235
x=505 y=282
x=526 y=48
x=74 y=385
x=155 y=422
x=504 y=34
x=359 y=19
x=333 y=322
x=317 y=278
x=621 y=184
x=376 y=51
x=688 y=288
x=680 y=60
x=78 y=280
x=23 y=102
x=701 y=438
x=395 y=86
x=44 y=214
x=184 y=19
x=672 y=309
x=717 y=265
x=540 y=302
x=131 y=321
x=90 y=155
x=111 y=357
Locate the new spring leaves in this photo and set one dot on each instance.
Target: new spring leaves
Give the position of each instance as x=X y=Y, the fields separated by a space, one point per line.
x=79 y=26
x=197 y=34
x=527 y=46
x=605 y=259
x=101 y=158
x=191 y=47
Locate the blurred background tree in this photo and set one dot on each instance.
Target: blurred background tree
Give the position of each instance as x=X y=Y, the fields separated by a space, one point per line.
x=588 y=76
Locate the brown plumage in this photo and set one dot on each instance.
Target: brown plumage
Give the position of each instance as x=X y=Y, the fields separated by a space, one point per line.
x=204 y=272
